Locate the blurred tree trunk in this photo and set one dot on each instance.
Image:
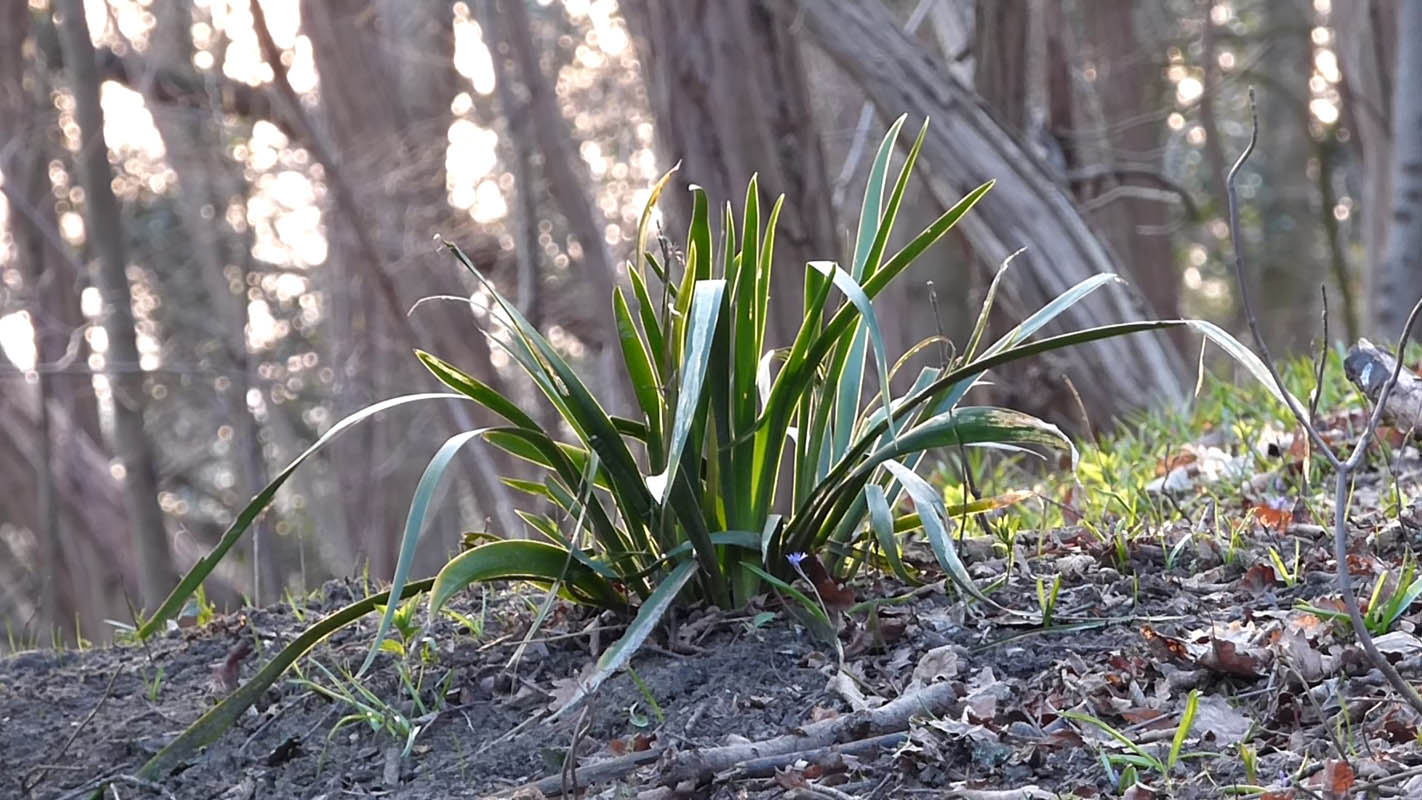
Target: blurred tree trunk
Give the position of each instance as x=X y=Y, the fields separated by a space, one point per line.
x=385 y=165
x=1284 y=252
x=26 y=185
x=1113 y=169
x=1400 y=284
x=134 y=451
x=1367 y=47
x=566 y=176
x=207 y=183
x=728 y=93
x=967 y=146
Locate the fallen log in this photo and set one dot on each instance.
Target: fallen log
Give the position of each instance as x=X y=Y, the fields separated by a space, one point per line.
x=849 y=734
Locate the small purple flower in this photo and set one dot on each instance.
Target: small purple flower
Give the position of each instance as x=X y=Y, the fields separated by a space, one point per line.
x=795 y=559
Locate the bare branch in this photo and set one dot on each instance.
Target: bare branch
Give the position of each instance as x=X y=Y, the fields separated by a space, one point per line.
x=1344 y=469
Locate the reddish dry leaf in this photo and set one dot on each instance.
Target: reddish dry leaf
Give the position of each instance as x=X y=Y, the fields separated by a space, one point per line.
x=836 y=596
x=1136 y=716
x=1224 y=657
x=1360 y=565
x=1275 y=518
x=790 y=779
x=227 y=674
x=1060 y=740
x=1336 y=779
x=1259 y=578
x=1166 y=647
x=1176 y=460
x=1399 y=730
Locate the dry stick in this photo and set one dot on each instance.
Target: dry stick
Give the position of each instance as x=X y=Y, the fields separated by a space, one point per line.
x=849 y=732
x=1343 y=469
x=1317 y=386
x=25 y=784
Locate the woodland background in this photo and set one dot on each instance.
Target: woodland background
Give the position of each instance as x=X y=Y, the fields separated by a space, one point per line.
x=217 y=217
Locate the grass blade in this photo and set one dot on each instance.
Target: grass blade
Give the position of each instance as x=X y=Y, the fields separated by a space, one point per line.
x=523 y=559
x=415 y=521
x=210 y=726
x=648 y=616
x=1187 y=721
x=191 y=581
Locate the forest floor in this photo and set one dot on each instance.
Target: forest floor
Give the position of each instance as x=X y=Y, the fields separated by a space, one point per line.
x=1196 y=594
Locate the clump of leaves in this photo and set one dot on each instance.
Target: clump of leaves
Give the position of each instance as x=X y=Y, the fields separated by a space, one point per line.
x=679 y=503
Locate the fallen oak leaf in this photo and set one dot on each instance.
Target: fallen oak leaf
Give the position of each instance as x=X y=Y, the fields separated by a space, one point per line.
x=1224 y=657
x=1335 y=779
x=1167 y=647
x=1259 y=578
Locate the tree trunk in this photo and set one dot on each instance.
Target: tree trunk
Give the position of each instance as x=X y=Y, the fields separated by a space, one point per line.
x=108 y=272
x=965 y=147
x=389 y=190
x=1400 y=285
x=728 y=93
x=207 y=179
x=1367 y=47
x=1126 y=84
x=1284 y=256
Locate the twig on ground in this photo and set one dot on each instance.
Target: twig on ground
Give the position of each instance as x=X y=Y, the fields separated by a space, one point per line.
x=848 y=734
x=569 y=773
x=830 y=756
x=26 y=784
x=1343 y=469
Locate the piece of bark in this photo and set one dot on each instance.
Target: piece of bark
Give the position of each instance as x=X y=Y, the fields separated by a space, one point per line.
x=847 y=734
x=1369 y=367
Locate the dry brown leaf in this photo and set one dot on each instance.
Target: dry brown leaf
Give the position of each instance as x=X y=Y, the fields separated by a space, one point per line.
x=1335 y=779
x=1225 y=657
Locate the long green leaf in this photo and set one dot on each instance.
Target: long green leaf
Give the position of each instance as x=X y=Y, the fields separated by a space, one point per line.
x=644 y=221
x=791 y=382
x=929 y=505
x=881 y=520
x=191 y=581
x=639 y=365
x=705 y=309
x=415 y=521
x=210 y=726
x=475 y=389
x=789 y=588
x=522 y=559
x=851 y=289
x=872 y=207
x=578 y=406
x=648 y=616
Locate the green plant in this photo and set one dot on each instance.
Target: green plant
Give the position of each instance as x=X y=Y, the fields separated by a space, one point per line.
x=154 y=685
x=1389 y=600
x=1290 y=576
x=1137 y=757
x=365 y=706
x=677 y=503
x=1047 y=598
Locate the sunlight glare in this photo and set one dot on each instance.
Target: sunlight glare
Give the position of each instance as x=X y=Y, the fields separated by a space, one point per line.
x=17 y=340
